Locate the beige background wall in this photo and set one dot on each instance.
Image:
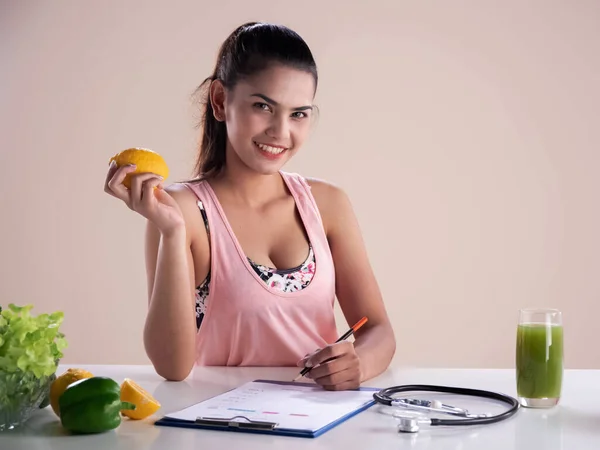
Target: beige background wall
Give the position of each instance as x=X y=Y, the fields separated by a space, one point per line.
x=466 y=133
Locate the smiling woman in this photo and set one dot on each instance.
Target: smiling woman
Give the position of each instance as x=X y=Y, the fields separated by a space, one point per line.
x=245 y=261
x=276 y=127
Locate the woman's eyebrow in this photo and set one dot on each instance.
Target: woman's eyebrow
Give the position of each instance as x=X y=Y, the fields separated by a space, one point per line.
x=274 y=103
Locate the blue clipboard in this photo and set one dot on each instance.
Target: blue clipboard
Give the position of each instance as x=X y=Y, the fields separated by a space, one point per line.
x=241 y=424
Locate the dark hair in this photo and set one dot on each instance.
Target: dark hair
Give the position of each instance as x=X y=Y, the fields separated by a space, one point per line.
x=249 y=49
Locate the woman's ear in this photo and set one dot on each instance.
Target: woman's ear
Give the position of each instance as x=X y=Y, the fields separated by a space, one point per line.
x=217 y=100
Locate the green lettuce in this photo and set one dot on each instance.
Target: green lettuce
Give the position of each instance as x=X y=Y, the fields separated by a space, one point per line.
x=30 y=344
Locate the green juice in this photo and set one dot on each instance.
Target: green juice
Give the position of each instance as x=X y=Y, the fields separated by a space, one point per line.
x=539 y=360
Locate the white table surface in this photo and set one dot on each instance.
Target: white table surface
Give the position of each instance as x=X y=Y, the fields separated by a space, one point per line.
x=573 y=425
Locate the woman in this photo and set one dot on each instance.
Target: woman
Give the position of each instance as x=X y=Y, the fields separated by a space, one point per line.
x=244 y=262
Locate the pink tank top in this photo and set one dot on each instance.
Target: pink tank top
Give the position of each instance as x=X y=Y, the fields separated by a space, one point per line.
x=248 y=323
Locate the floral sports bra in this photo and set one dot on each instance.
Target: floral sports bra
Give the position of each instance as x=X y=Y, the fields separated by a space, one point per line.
x=285 y=280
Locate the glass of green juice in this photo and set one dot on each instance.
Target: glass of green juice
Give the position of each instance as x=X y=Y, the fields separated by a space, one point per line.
x=539 y=359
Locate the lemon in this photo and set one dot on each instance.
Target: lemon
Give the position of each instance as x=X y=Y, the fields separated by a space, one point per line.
x=145 y=404
x=145 y=161
x=58 y=386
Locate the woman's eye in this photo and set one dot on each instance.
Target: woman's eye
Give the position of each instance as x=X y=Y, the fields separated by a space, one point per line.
x=299 y=115
x=262 y=106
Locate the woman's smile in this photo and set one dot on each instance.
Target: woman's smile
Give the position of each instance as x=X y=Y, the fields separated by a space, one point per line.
x=270 y=151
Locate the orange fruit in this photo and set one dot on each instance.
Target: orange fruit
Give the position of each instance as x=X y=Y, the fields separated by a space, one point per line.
x=145 y=404
x=58 y=386
x=145 y=161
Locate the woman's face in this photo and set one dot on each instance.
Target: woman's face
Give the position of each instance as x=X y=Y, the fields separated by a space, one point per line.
x=268 y=117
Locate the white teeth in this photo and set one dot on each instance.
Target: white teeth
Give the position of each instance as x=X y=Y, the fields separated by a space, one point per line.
x=268 y=148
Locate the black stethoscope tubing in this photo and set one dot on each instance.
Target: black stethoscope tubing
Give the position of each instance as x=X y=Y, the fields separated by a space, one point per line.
x=384 y=397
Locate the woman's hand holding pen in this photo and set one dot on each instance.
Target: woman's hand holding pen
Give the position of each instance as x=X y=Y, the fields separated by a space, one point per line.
x=335 y=367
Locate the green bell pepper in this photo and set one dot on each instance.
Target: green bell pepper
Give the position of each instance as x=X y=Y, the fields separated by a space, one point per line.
x=92 y=405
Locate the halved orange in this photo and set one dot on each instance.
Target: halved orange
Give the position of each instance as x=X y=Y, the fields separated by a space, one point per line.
x=145 y=404
x=145 y=160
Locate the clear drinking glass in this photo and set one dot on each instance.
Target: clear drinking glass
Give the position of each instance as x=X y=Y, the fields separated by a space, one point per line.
x=539 y=358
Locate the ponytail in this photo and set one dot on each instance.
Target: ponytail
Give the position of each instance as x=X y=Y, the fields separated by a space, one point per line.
x=211 y=157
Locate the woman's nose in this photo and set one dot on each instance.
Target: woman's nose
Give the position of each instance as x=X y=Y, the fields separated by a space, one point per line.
x=278 y=128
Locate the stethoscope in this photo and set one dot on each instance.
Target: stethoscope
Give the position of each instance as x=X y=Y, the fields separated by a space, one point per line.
x=410 y=423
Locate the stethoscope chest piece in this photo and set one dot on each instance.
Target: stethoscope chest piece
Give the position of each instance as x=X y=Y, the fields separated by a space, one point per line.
x=409 y=421
x=408 y=425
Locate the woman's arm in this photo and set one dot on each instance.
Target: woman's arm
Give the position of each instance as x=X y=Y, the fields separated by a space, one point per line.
x=169 y=333
x=358 y=294
x=170 y=328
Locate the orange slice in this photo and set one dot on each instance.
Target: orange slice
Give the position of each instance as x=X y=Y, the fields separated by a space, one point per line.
x=145 y=404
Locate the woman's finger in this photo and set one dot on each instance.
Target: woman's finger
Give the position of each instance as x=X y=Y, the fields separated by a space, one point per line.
x=344 y=386
x=137 y=180
x=163 y=197
x=148 y=191
x=303 y=361
x=329 y=352
x=112 y=168
x=327 y=369
x=115 y=183
x=337 y=378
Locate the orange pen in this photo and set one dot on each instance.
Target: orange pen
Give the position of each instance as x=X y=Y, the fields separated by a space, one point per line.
x=343 y=337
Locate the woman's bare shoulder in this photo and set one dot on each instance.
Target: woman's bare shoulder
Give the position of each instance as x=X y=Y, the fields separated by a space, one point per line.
x=325 y=192
x=188 y=203
x=331 y=199
x=181 y=192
